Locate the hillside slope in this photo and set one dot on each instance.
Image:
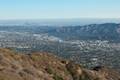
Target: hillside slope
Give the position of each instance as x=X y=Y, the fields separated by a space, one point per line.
x=107 y=31
x=45 y=66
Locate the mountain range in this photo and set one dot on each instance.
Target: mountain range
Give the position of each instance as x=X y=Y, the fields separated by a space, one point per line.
x=106 y=31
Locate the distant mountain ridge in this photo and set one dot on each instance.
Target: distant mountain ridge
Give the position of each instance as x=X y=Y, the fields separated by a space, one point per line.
x=107 y=31
x=60 y=22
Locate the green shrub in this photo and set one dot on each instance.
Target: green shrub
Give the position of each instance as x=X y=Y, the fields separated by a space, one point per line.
x=49 y=70
x=56 y=77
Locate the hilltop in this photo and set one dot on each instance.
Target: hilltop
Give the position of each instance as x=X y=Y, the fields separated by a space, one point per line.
x=46 y=66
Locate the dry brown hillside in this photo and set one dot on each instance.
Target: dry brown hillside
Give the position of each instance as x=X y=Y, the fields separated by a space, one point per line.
x=45 y=66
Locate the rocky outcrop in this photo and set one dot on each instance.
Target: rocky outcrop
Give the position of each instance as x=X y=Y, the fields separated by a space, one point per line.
x=45 y=66
x=97 y=73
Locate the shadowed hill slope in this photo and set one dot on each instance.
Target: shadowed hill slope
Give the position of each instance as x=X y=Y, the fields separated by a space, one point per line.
x=45 y=66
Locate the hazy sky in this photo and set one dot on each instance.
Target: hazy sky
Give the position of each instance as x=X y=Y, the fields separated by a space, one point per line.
x=40 y=9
